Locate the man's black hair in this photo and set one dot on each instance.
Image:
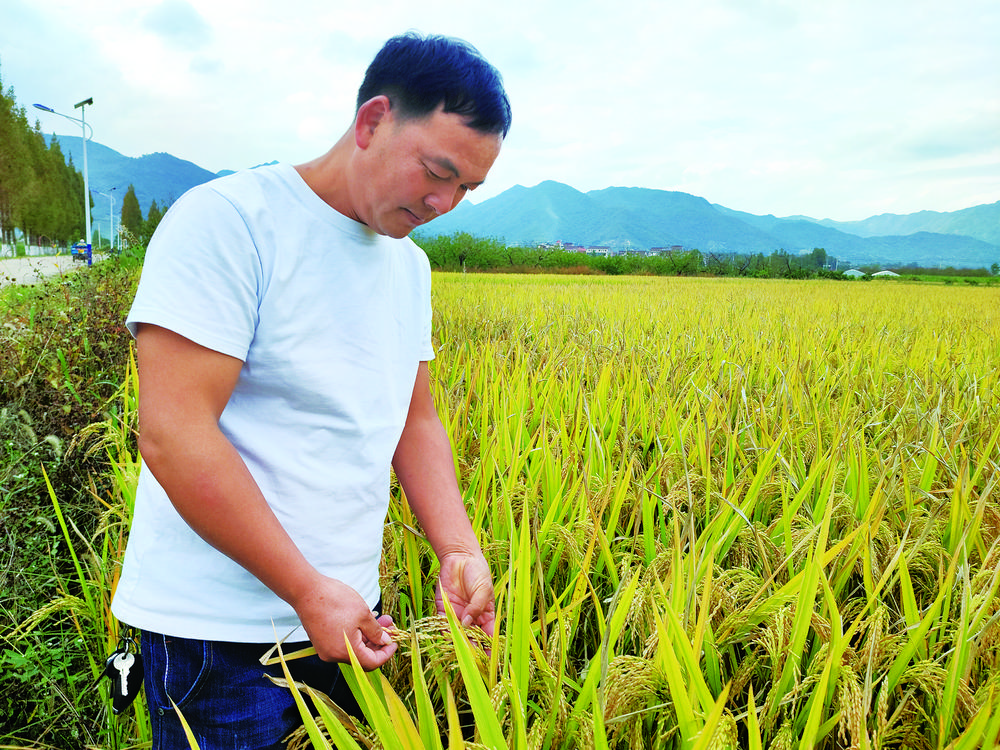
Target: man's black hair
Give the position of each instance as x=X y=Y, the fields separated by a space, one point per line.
x=420 y=74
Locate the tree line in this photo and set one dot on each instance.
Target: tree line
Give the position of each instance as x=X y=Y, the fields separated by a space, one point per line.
x=41 y=194
x=464 y=252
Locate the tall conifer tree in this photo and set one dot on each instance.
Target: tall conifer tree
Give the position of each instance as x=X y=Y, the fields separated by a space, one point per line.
x=132 y=213
x=152 y=219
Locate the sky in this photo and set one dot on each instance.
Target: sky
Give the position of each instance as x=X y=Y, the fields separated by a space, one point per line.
x=839 y=109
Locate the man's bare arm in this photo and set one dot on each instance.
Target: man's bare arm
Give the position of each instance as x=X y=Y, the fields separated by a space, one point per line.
x=426 y=472
x=183 y=389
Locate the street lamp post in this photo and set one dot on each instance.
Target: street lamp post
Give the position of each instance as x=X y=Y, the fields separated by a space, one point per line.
x=110 y=195
x=86 y=179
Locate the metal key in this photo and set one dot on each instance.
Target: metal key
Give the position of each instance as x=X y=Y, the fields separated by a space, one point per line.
x=123 y=663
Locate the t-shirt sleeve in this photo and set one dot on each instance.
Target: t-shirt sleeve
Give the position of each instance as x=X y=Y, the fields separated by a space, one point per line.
x=202 y=275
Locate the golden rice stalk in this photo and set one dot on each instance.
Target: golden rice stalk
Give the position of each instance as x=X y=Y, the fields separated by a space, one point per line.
x=632 y=683
x=433 y=637
x=850 y=698
x=783 y=740
x=67 y=603
x=299 y=739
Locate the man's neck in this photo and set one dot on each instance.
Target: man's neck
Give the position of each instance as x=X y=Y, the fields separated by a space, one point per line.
x=328 y=176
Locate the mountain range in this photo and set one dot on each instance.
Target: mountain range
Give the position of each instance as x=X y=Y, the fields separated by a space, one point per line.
x=642 y=218
x=616 y=217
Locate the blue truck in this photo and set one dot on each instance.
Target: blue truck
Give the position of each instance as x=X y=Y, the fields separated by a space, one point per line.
x=79 y=251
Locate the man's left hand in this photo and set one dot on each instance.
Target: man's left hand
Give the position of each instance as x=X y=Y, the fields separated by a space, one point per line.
x=465 y=579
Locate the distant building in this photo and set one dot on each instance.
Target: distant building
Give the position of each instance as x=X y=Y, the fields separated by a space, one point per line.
x=854 y=273
x=569 y=247
x=885 y=274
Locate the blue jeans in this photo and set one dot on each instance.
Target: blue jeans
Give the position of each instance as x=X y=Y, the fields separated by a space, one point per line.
x=222 y=691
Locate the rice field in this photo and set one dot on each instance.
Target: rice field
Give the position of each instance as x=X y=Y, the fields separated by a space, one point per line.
x=720 y=513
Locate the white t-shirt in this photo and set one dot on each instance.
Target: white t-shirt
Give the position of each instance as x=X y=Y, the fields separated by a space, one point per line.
x=331 y=321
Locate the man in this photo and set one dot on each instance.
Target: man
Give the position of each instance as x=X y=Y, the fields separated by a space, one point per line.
x=283 y=332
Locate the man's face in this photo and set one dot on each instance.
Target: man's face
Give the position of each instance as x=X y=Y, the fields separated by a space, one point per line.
x=419 y=169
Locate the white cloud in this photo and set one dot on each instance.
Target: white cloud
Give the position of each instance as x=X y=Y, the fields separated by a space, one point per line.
x=177 y=22
x=837 y=109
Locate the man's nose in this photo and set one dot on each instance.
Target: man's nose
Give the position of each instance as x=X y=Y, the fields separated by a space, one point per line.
x=443 y=200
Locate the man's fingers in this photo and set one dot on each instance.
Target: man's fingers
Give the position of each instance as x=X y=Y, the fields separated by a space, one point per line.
x=482 y=601
x=372 y=655
x=354 y=630
x=372 y=632
x=479 y=604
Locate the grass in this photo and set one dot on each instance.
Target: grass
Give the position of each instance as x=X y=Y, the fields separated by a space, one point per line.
x=720 y=513
x=63 y=359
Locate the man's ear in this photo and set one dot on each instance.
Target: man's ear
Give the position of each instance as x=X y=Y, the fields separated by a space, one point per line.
x=371 y=114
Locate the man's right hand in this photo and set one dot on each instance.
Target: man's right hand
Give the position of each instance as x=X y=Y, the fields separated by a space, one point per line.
x=330 y=610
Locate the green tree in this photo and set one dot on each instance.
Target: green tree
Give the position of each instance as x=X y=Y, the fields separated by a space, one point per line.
x=15 y=166
x=132 y=213
x=462 y=250
x=40 y=193
x=995 y=269
x=37 y=213
x=72 y=190
x=153 y=217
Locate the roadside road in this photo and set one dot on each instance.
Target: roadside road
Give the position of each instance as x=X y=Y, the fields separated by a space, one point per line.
x=34 y=269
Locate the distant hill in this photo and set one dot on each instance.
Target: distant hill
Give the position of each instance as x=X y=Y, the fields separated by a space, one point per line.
x=980 y=222
x=642 y=218
x=918 y=245
x=160 y=177
x=616 y=217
